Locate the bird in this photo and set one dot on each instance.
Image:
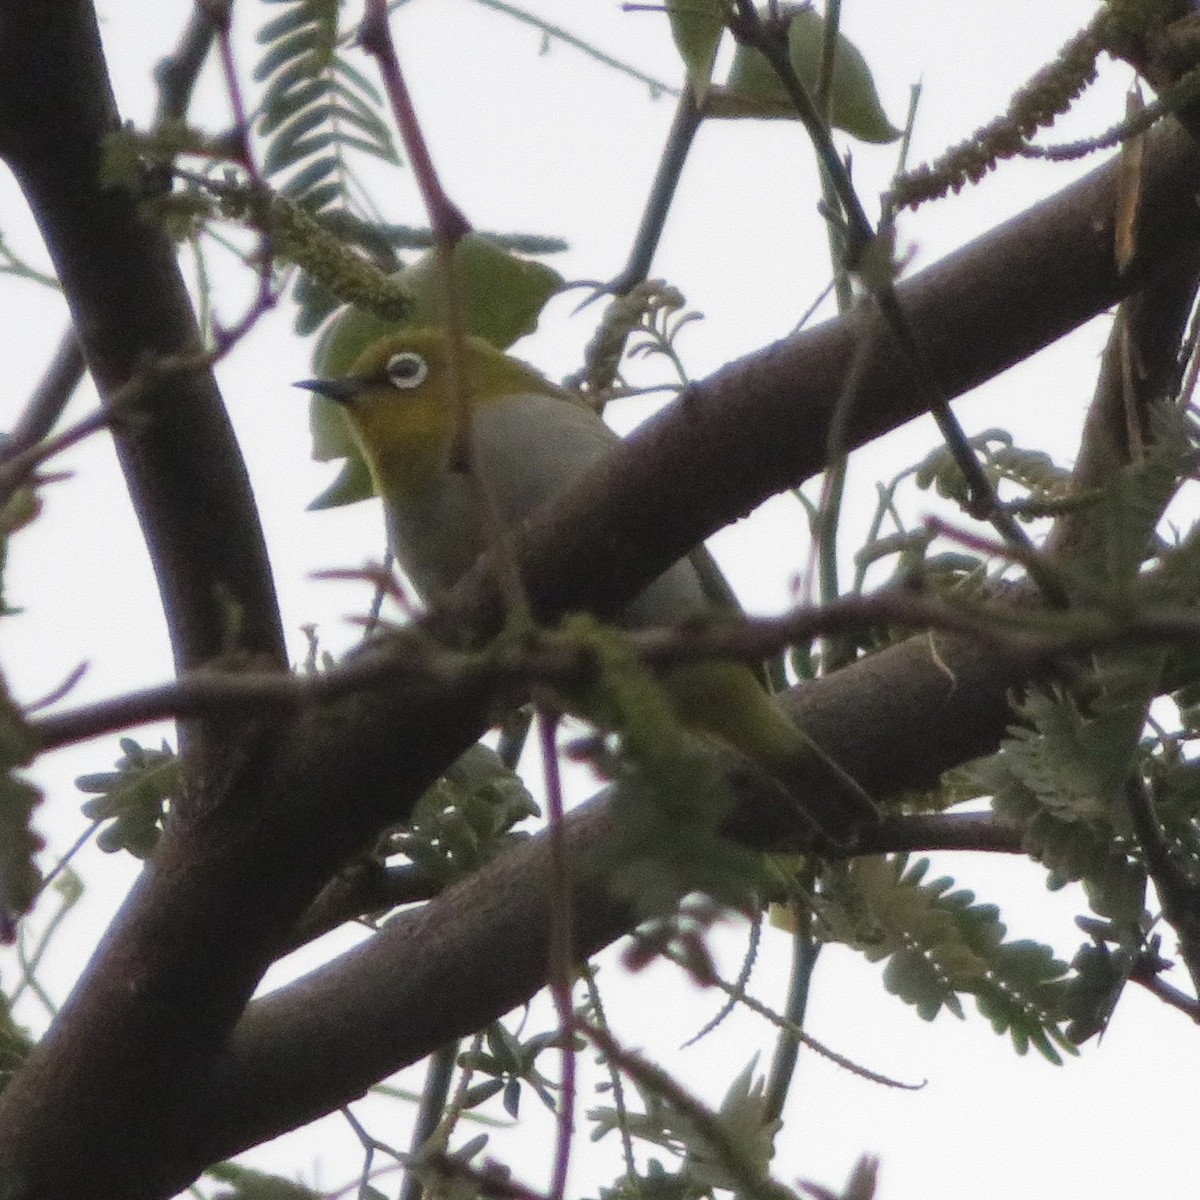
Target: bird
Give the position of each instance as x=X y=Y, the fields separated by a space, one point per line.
x=529 y=441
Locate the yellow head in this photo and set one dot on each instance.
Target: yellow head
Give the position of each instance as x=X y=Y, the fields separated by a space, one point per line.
x=399 y=401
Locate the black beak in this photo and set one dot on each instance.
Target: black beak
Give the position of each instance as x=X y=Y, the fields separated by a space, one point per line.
x=341 y=390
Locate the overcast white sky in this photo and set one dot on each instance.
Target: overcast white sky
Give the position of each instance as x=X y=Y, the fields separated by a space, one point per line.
x=552 y=143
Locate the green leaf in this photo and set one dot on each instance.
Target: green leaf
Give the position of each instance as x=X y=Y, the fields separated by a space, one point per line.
x=300 y=185
x=305 y=52
x=248 y=1184
x=502 y=293
x=318 y=200
x=296 y=125
x=697 y=27
x=1091 y=997
x=286 y=151
x=467 y=817
x=369 y=124
x=913 y=978
x=353 y=482
x=753 y=89
x=350 y=72
x=743 y=1112
x=1117 y=532
x=296 y=16
x=287 y=104
x=1061 y=782
x=341 y=93
x=383 y=150
x=502 y=297
x=478 y=1093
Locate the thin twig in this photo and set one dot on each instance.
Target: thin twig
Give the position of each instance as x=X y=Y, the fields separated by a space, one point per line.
x=782 y=1022
x=805 y=951
x=1168 y=993
x=770 y=38
x=218 y=12
x=410 y=660
x=550 y=31
x=17 y=469
x=449 y=226
x=445 y=217
x=1177 y=893
x=682 y=133
x=49 y=398
x=434 y=1093
x=176 y=74
x=739 y=986
x=727 y=1149
x=560 y=951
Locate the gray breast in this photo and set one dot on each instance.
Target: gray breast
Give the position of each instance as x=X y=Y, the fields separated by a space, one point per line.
x=528 y=450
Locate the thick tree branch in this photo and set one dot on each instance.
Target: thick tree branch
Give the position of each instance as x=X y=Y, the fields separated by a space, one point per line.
x=761 y=424
x=1140 y=368
x=129 y=306
x=481 y=948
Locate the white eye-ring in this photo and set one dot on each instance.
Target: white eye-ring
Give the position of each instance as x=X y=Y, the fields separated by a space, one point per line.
x=407 y=369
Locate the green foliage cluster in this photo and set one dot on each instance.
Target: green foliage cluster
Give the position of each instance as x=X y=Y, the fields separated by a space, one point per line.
x=508 y=1063
x=1043 y=483
x=653 y=309
x=726 y=1149
x=317 y=113
x=466 y=818
x=133 y=798
x=1061 y=778
x=939 y=944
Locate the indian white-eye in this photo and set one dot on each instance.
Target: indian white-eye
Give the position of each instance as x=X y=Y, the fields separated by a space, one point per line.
x=529 y=441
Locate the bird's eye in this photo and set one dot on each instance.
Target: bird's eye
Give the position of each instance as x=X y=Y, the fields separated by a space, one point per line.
x=407 y=369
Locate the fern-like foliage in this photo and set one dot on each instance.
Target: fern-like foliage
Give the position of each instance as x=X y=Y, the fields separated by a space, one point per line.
x=667 y=1125
x=317 y=106
x=668 y=792
x=1060 y=777
x=1119 y=531
x=940 y=945
x=1042 y=482
x=318 y=111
